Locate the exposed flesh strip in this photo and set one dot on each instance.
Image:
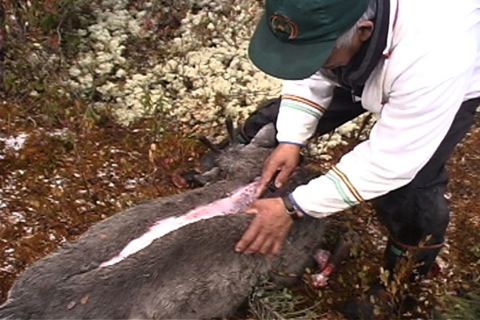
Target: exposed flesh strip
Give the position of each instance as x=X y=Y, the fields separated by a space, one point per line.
x=235 y=203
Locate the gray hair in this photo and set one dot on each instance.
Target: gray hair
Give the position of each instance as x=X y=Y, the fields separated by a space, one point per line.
x=346 y=38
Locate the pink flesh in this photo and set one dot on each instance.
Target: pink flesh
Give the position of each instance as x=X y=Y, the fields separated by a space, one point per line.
x=321 y=279
x=322 y=257
x=238 y=201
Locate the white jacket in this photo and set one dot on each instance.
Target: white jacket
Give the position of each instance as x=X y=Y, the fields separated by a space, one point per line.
x=431 y=65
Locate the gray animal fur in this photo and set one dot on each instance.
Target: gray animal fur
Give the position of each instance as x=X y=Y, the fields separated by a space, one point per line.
x=193 y=272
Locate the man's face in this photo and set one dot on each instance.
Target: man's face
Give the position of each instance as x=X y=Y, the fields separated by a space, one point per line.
x=341 y=56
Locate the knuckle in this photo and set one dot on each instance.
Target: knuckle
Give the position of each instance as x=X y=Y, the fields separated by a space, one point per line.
x=246 y=239
x=254 y=247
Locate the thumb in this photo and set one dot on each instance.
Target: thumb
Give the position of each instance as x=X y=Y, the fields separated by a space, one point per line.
x=250 y=210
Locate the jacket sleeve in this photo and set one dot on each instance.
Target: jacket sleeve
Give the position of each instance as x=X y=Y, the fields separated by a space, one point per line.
x=424 y=99
x=303 y=103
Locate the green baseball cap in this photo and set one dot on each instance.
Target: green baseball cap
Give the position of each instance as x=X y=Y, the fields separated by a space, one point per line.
x=294 y=38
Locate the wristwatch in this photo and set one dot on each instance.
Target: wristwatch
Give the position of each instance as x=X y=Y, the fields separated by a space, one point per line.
x=290 y=208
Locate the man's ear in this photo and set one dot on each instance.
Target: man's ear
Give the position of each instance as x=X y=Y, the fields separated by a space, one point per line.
x=365 y=29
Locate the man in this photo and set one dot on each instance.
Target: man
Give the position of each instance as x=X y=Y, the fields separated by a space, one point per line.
x=414 y=63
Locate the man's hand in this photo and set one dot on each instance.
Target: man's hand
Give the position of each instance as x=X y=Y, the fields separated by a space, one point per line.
x=268 y=229
x=284 y=160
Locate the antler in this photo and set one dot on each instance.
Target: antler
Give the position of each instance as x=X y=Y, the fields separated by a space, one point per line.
x=231 y=131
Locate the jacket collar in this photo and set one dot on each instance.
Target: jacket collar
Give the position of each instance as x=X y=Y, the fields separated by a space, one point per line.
x=391 y=28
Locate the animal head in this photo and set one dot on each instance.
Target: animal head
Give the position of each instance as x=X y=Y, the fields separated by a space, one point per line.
x=231 y=159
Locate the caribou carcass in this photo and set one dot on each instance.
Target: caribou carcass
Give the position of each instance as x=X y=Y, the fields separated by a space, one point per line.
x=169 y=258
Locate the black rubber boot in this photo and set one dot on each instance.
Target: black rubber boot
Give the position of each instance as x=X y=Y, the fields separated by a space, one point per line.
x=376 y=303
x=401 y=265
x=266 y=113
x=425 y=261
x=394 y=260
x=409 y=264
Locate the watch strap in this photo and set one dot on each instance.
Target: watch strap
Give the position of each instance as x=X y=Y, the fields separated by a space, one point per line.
x=290 y=208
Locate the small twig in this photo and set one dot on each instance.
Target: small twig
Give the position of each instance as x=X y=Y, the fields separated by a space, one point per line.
x=58 y=30
x=79 y=160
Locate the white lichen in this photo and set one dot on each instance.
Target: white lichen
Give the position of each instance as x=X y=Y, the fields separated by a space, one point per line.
x=203 y=76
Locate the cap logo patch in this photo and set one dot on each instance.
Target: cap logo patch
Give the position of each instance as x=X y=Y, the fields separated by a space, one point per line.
x=283 y=24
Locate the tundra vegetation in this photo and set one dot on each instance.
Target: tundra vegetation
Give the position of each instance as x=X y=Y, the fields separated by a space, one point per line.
x=101 y=106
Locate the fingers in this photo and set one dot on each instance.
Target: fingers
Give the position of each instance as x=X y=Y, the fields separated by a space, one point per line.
x=270 y=168
x=267 y=175
x=256 y=241
x=267 y=247
x=248 y=237
x=277 y=246
x=267 y=230
x=283 y=176
x=259 y=243
x=284 y=159
x=251 y=210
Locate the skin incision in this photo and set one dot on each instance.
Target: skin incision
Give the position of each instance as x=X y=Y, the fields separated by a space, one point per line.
x=235 y=203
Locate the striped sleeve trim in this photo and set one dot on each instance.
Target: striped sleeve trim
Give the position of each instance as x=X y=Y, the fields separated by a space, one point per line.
x=338 y=185
x=347 y=183
x=291 y=142
x=301 y=108
x=305 y=101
